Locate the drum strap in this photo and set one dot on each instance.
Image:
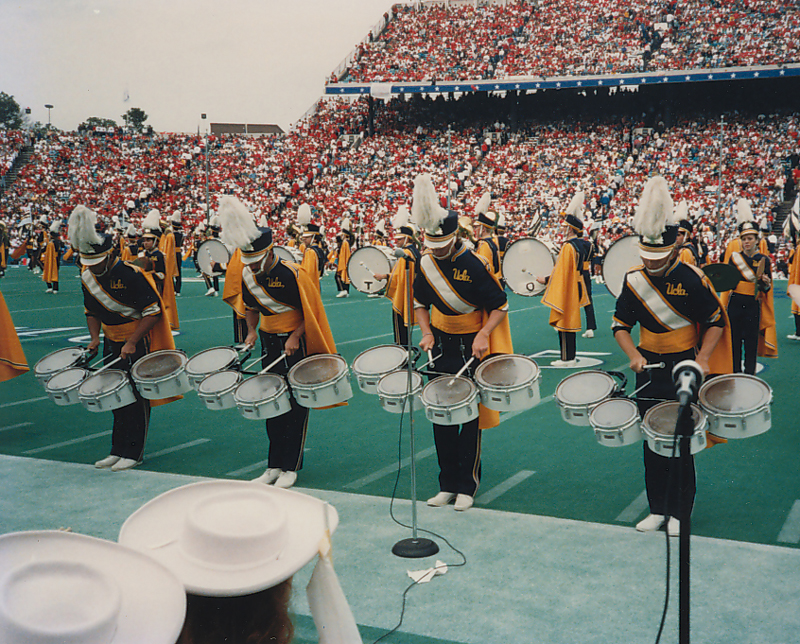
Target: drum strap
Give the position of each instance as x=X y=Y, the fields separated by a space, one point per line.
x=93 y=286
x=443 y=287
x=262 y=296
x=747 y=286
x=656 y=302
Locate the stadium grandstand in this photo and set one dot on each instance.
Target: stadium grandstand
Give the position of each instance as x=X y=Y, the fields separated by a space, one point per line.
x=530 y=101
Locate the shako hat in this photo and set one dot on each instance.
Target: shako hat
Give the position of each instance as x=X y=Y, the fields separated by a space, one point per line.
x=92 y=245
x=656 y=236
x=239 y=230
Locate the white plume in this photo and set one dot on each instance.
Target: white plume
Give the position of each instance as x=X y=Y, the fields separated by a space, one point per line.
x=263 y=223
x=131 y=231
x=238 y=227
x=655 y=205
x=176 y=216
x=681 y=212
x=483 y=204
x=426 y=212
x=304 y=215
x=346 y=224
x=82 y=234
x=743 y=211
x=401 y=218
x=55 y=227
x=575 y=207
x=152 y=221
x=381 y=227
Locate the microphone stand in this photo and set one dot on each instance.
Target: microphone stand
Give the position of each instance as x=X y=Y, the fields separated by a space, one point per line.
x=685 y=429
x=414 y=547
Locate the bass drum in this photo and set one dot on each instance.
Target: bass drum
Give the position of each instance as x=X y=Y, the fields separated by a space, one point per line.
x=288 y=254
x=621 y=257
x=524 y=261
x=364 y=264
x=212 y=251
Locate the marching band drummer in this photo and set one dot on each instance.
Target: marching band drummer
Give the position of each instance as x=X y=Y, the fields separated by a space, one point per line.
x=461 y=309
x=284 y=309
x=396 y=286
x=346 y=240
x=680 y=318
x=151 y=259
x=121 y=300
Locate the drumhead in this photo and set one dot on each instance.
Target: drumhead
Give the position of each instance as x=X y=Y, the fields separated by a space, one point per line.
x=396 y=383
x=209 y=252
x=506 y=371
x=288 y=254
x=220 y=381
x=661 y=419
x=441 y=393
x=258 y=388
x=211 y=360
x=614 y=413
x=621 y=257
x=103 y=382
x=66 y=379
x=318 y=369
x=524 y=261
x=585 y=388
x=734 y=393
x=158 y=364
x=58 y=360
x=382 y=359
x=363 y=264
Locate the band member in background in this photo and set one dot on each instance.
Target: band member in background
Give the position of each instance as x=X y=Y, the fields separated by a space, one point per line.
x=750 y=305
x=680 y=318
x=150 y=258
x=130 y=249
x=484 y=227
x=346 y=240
x=792 y=231
x=12 y=357
x=120 y=300
x=177 y=233
x=212 y=232
x=51 y=258
x=284 y=310
x=397 y=285
x=313 y=255
x=462 y=312
x=687 y=252
x=5 y=246
x=566 y=293
x=502 y=242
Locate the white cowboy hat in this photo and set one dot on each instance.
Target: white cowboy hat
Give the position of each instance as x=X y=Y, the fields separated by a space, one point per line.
x=73 y=589
x=230 y=538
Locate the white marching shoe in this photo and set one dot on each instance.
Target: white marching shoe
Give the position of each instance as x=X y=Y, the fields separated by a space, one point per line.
x=589 y=333
x=342 y=294
x=464 y=502
x=108 y=461
x=286 y=479
x=673 y=527
x=793 y=337
x=124 y=464
x=210 y=291
x=564 y=364
x=651 y=522
x=270 y=476
x=441 y=499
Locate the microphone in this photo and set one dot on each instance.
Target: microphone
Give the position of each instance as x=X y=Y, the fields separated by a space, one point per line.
x=687 y=376
x=399 y=254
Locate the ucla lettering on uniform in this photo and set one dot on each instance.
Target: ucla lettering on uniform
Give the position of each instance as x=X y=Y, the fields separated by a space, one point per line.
x=461 y=275
x=677 y=289
x=274 y=282
x=116 y=285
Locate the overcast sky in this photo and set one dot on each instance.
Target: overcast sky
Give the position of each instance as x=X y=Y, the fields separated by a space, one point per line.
x=254 y=61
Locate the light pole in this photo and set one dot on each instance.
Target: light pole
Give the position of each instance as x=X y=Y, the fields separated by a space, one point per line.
x=208 y=216
x=49 y=107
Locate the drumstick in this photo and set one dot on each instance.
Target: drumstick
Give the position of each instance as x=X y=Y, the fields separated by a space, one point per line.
x=250 y=364
x=657 y=365
x=370 y=271
x=460 y=371
x=279 y=358
x=431 y=360
x=115 y=361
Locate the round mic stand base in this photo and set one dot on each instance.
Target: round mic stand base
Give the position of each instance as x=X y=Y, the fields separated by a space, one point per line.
x=415 y=548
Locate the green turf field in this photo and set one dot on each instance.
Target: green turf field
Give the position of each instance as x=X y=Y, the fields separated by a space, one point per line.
x=533 y=463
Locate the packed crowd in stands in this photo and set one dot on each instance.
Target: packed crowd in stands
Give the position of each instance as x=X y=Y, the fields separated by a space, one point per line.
x=11 y=142
x=576 y=38
x=329 y=162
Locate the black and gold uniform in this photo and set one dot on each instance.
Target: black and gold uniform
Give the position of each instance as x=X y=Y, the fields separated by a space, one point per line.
x=488 y=249
x=673 y=311
x=154 y=264
x=177 y=232
x=586 y=257
x=397 y=292
x=459 y=292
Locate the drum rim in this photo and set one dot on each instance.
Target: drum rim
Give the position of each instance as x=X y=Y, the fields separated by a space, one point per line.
x=360 y=372
x=279 y=392
x=537 y=372
x=418 y=384
x=605 y=256
x=635 y=419
x=74 y=385
x=124 y=381
x=672 y=403
x=215 y=243
x=147 y=381
x=327 y=383
x=702 y=395
x=208 y=373
x=36 y=368
x=570 y=404
x=221 y=392
x=466 y=402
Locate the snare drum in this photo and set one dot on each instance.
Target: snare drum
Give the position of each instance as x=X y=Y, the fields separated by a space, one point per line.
x=364 y=264
x=57 y=361
x=616 y=422
x=161 y=374
x=659 y=429
x=320 y=381
x=371 y=365
x=508 y=382
x=210 y=361
x=737 y=405
x=450 y=404
x=106 y=390
x=217 y=390
x=62 y=388
x=580 y=392
x=263 y=396
x=393 y=390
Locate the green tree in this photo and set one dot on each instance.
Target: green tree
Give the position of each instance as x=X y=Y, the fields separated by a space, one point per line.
x=135 y=118
x=10 y=114
x=96 y=121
